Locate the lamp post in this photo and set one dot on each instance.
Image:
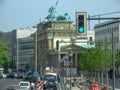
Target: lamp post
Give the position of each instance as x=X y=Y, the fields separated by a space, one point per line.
x=113 y=63
x=36 y=51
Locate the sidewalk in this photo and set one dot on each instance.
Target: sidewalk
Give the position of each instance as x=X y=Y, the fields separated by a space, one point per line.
x=73 y=88
x=117 y=83
x=76 y=85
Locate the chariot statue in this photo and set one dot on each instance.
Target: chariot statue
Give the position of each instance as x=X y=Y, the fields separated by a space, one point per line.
x=62 y=17
x=51 y=16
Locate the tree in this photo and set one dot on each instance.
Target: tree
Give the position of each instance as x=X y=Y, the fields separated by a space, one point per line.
x=117 y=60
x=3 y=55
x=12 y=64
x=95 y=59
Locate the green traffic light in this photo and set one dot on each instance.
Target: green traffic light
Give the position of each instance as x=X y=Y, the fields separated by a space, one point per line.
x=81 y=29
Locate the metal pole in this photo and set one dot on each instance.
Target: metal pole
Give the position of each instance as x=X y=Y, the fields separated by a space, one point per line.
x=17 y=55
x=70 y=77
x=88 y=23
x=36 y=52
x=113 y=62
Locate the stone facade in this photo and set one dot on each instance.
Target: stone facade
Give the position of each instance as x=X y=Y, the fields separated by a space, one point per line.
x=48 y=33
x=64 y=31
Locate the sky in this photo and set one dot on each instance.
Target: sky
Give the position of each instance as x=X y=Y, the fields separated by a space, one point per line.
x=16 y=14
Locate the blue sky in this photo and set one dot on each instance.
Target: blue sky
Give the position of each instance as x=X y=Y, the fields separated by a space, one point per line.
x=26 y=13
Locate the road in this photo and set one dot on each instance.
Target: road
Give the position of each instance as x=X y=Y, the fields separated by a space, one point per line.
x=4 y=83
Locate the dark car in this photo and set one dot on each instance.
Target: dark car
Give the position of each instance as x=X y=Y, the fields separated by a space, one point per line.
x=1 y=76
x=10 y=75
x=50 y=84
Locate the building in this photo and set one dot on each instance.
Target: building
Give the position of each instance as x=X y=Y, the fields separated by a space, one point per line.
x=9 y=39
x=65 y=32
x=21 y=47
x=103 y=33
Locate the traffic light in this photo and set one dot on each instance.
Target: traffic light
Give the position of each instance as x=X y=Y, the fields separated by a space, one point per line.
x=57 y=45
x=81 y=23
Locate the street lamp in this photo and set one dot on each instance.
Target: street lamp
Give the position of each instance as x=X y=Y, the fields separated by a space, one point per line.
x=113 y=63
x=36 y=51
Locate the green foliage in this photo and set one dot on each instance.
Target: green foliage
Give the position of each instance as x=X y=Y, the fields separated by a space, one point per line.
x=3 y=55
x=117 y=57
x=12 y=64
x=1 y=34
x=95 y=58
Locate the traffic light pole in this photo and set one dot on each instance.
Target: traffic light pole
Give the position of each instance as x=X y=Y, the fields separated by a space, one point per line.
x=106 y=18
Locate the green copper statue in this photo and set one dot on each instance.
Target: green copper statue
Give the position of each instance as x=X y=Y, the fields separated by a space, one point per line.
x=62 y=17
x=51 y=15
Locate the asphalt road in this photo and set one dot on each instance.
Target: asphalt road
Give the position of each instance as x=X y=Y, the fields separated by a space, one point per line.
x=4 y=83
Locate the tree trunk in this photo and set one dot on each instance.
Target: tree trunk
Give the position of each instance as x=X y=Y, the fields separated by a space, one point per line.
x=92 y=74
x=107 y=80
x=95 y=76
x=98 y=77
x=102 y=76
x=117 y=70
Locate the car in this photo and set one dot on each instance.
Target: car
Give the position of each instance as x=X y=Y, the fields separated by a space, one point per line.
x=49 y=85
x=4 y=75
x=51 y=76
x=20 y=76
x=25 y=84
x=13 y=87
x=1 y=76
x=10 y=75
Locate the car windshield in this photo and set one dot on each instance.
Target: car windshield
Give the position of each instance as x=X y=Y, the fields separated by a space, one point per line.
x=50 y=83
x=49 y=77
x=23 y=84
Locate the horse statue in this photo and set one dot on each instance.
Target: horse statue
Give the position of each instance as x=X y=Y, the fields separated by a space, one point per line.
x=62 y=17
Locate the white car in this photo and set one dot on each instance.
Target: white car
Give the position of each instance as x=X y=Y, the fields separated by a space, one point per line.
x=4 y=75
x=25 y=84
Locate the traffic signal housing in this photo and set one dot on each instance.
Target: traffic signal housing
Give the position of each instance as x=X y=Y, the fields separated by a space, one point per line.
x=57 y=45
x=81 y=23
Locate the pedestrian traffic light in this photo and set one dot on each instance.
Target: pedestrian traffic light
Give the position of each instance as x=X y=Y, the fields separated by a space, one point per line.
x=57 y=45
x=81 y=23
